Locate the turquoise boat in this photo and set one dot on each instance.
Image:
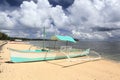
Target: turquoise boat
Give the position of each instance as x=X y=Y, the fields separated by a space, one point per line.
x=42 y=55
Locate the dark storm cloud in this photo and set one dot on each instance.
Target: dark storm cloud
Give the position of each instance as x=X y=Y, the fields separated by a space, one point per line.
x=63 y=3
x=14 y=2
x=17 y=3
x=104 y=29
x=11 y=2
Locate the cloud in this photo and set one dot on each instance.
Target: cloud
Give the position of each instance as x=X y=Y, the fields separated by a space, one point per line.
x=86 y=15
x=59 y=17
x=5 y=21
x=84 y=19
x=64 y=3
x=104 y=29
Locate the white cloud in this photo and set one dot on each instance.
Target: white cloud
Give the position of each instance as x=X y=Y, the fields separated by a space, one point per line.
x=59 y=17
x=5 y=21
x=84 y=12
x=82 y=16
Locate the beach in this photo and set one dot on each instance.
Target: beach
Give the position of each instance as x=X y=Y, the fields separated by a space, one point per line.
x=56 y=69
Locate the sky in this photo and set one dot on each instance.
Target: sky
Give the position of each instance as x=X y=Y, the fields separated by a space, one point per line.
x=82 y=19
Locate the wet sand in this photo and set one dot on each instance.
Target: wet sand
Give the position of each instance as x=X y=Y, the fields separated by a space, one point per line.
x=56 y=69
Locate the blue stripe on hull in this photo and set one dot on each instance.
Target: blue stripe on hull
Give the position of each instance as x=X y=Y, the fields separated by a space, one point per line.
x=18 y=59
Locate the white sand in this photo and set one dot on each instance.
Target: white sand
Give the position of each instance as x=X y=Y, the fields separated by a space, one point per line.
x=56 y=69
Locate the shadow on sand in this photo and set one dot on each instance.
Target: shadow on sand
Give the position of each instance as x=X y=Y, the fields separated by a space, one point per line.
x=70 y=65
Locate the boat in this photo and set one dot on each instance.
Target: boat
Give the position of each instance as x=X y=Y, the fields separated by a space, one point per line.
x=46 y=54
x=42 y=55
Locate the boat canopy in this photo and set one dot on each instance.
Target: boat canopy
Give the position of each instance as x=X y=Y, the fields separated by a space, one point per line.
x=63 y=38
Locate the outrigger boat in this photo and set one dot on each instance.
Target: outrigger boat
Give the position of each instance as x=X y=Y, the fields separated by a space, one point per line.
x=43 y=54
x=39 y=55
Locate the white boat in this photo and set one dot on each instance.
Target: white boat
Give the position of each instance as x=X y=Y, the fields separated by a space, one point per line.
x=41 y=55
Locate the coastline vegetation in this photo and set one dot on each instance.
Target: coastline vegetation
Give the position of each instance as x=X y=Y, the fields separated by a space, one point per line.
x=4 y=36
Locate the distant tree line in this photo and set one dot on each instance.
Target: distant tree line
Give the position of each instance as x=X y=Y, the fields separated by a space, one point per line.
x=3 y=36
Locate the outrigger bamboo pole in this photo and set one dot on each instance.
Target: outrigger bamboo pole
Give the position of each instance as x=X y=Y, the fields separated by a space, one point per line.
x=44 y=36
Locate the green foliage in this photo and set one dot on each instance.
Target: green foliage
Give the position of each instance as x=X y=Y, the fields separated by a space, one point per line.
x=3 y=36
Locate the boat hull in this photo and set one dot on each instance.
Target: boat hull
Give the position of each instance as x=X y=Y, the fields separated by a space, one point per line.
x=25 y=56
x=20 y=59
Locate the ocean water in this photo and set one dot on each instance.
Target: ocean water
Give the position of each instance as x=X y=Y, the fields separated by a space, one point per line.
x=108 y=49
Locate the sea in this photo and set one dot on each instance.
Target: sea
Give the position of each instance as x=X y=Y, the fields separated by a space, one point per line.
x=107 y=49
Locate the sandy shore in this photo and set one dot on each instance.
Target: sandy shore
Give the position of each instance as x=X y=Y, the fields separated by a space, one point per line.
x=56 y=69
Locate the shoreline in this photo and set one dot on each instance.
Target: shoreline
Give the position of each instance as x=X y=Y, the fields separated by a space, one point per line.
x=56 y=69
x=2 y=43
